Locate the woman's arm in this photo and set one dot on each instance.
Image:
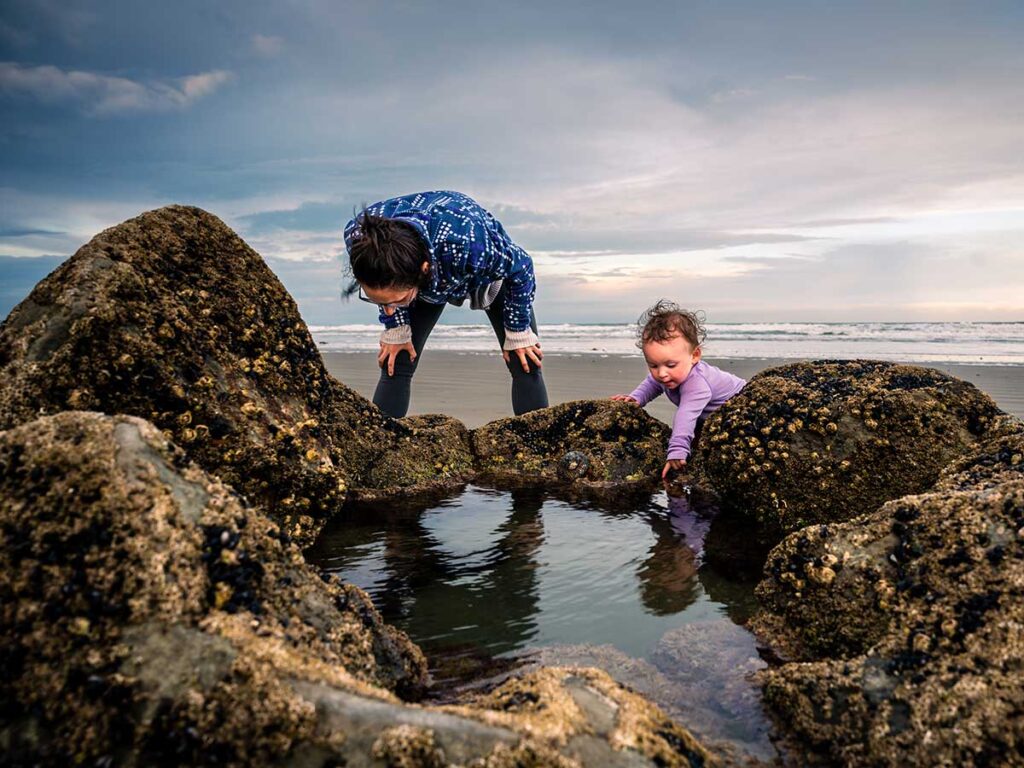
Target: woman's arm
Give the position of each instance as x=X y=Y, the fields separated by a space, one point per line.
x=520 y=288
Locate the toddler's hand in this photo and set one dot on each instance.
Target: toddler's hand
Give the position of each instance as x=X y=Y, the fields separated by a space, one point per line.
x=624 y=398
x=673 y=464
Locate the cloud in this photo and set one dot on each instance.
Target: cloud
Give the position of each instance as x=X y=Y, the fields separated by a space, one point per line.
x=15 y=36
x=312 y=216
x=700 y=151
x=604 y=142
x=26 y=231
x=267 y=46
x=949 y=279
x=98 y=94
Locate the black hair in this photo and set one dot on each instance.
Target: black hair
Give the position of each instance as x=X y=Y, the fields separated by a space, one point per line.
x=386 y=253
x=666 y=320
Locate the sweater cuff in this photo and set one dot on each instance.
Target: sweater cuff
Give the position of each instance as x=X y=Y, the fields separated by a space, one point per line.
x=400 y=334
x=519 y=339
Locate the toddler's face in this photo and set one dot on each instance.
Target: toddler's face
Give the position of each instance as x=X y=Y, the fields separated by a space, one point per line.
x=671 y=361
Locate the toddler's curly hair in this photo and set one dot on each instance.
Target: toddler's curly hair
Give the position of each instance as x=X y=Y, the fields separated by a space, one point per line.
x=666 y=320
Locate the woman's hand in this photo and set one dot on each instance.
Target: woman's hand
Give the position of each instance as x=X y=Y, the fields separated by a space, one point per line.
x=526 y=355
x=624 y=399
x=674 y=465
x=389 y=352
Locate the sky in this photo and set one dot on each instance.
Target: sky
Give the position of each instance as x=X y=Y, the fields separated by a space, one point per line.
x=780 y=161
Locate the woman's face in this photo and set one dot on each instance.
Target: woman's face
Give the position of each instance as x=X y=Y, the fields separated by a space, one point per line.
x=389 y=298
x=392 y=297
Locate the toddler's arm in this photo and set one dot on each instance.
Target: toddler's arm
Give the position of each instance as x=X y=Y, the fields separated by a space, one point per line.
x=648 y=390
x=694 y=396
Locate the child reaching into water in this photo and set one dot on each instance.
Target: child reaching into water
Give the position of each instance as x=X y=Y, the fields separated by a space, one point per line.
x=671 y=340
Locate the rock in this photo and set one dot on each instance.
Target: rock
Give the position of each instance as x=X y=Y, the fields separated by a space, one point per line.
x=572 y=705
x=715 y=662
x=573 y=466
x=431 y=459
x=818 y=579
x=826 y=441
x=997 y=460
x=140 y=593
x=734 y=546
x=171 y=317
x=597 y=445
x=700 y=676
x=908 y=624
x=149 y=615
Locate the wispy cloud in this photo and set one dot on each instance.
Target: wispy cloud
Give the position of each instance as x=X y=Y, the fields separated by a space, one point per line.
x=26 y=231
x=267 y=45
x=99 y=94
x=807 y=162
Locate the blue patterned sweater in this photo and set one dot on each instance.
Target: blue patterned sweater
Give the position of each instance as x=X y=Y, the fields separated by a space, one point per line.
x=468 y=249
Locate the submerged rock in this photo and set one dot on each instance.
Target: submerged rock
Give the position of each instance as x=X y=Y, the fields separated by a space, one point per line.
x=586 y=710
x=148 y=615
x=597 y=445
x=171 y=317
x=715 y=661
x=909 y=623
x=701 y=675
x=826 y=441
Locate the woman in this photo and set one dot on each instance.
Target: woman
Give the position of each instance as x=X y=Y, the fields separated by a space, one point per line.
x=411 y=255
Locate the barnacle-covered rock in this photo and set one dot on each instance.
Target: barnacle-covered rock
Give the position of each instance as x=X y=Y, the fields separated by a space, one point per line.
x=427 y=461
x=826 y=441
x=611 y=446
x=142 y=597
x=149 y=616
x=906 y=625
x=996 y=460
x=171 y=317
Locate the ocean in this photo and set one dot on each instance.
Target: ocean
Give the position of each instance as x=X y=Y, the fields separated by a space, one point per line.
x=964 y=343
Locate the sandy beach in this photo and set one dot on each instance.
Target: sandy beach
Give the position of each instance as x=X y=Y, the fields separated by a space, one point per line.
x=474 y=387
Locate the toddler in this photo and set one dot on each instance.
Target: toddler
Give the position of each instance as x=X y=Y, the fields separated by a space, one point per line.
x=670 y=338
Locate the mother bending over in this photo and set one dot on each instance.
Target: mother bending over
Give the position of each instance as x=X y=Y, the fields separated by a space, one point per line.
x=411 y=255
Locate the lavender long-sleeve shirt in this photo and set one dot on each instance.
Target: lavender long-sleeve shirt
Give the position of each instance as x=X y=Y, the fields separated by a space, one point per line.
x=704 y=391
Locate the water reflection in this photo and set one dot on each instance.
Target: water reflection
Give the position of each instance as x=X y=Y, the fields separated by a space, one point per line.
x=459 y=574
x=491 y=573
x=487 y=580
x=668 y=577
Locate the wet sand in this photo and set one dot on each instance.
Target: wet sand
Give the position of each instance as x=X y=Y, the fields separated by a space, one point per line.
x=475 y=388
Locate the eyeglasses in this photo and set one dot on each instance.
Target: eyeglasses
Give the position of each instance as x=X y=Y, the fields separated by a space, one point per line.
x=393 y=305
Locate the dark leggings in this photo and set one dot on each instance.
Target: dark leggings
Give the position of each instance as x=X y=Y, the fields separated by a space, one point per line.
x=392 y=394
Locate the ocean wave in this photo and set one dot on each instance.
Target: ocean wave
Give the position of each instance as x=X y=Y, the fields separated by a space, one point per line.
x=961 y=342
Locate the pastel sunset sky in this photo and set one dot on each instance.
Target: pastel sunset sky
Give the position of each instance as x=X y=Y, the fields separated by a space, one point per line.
x=760 y=161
